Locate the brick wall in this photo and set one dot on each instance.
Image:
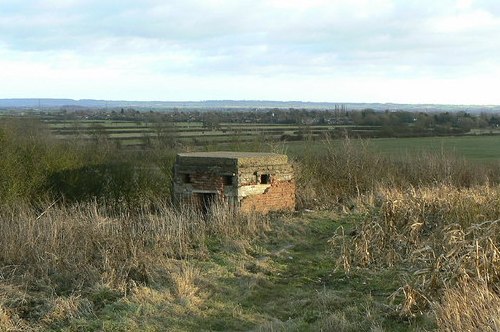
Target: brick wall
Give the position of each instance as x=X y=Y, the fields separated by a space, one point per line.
x=206 y=181
x=280 y=196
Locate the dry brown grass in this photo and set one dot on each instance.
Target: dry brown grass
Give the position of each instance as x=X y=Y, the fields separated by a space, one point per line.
x=346 y=169
x=184 y=281
x=442 y=236
x=87 y=239
x=469 y=307
x=64 y=309
x=72 y=250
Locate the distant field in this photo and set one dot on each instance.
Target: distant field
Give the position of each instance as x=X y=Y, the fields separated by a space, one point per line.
x=477 y=148
x=484 y=148
x=135 y=133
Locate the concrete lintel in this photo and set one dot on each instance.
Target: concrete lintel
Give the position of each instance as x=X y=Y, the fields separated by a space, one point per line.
x=251 y=190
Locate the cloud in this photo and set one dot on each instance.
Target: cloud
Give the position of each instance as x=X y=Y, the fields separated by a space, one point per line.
x=268 y=40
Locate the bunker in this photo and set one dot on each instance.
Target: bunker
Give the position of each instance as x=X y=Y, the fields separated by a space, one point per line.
x=248 y=181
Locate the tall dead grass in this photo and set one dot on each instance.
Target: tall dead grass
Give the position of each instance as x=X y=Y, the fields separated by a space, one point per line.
x=72 y=246
x=349 y=168
x=470 y=307
x=341 y=170
x=443 y=236
x=63 y=263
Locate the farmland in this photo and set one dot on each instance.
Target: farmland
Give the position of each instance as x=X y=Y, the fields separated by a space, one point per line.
x=136 y=134
x=394 y=133
x=471 y=147
x=479 y=146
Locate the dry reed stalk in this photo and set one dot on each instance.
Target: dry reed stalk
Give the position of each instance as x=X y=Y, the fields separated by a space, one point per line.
x=442 y=235
x=469 y=307
x=87 y=243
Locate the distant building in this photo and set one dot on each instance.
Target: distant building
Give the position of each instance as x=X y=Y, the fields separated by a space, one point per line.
x=248 y=181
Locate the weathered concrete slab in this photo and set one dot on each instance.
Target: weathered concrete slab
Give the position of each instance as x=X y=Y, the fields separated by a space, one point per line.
x=229 y=158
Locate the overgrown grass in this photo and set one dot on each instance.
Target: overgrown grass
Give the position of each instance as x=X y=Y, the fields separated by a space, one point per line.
x=82 y=257
x=470 y=307
x=346 y=169
x=81 y=244
x=273 y=275
x=433 y=217
x=445 y=239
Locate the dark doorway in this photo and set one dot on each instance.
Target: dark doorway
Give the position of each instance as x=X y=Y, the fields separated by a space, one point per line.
x=205 y=201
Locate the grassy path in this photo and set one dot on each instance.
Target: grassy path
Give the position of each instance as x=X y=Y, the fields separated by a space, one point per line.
x=281 y=281
x=286 y=282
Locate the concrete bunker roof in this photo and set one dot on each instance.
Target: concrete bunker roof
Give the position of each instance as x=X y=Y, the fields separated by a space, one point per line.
x=240 y=159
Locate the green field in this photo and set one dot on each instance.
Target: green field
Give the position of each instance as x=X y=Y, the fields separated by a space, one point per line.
x=476 y=148
x=481 y=148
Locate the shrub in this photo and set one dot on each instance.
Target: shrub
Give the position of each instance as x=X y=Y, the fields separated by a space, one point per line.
x=36 y=167
x=344 y=169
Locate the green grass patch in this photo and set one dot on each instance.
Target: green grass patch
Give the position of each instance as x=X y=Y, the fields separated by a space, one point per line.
x=476 y=148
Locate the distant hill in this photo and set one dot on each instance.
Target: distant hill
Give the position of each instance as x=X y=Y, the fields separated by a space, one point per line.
x=50 y=104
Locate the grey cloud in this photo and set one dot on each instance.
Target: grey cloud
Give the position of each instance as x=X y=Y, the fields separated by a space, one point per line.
x=250 y=37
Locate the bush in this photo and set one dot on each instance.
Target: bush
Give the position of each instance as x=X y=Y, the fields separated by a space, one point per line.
x=344 y=169
x=36 y=167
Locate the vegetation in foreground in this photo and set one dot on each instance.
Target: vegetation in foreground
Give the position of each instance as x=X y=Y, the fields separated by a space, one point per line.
x=82 y=269
x=404 y=260
x=391 y=244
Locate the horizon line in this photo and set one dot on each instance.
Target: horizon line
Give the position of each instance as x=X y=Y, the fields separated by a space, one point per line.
x=242 y=100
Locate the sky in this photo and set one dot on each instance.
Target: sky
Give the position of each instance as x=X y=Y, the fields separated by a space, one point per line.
x=401 y=51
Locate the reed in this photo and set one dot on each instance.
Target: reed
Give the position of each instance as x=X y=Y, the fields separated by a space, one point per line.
x=442 y=236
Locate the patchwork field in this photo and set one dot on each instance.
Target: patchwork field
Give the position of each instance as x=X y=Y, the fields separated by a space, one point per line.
x=135 y=133
x=479 y=145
